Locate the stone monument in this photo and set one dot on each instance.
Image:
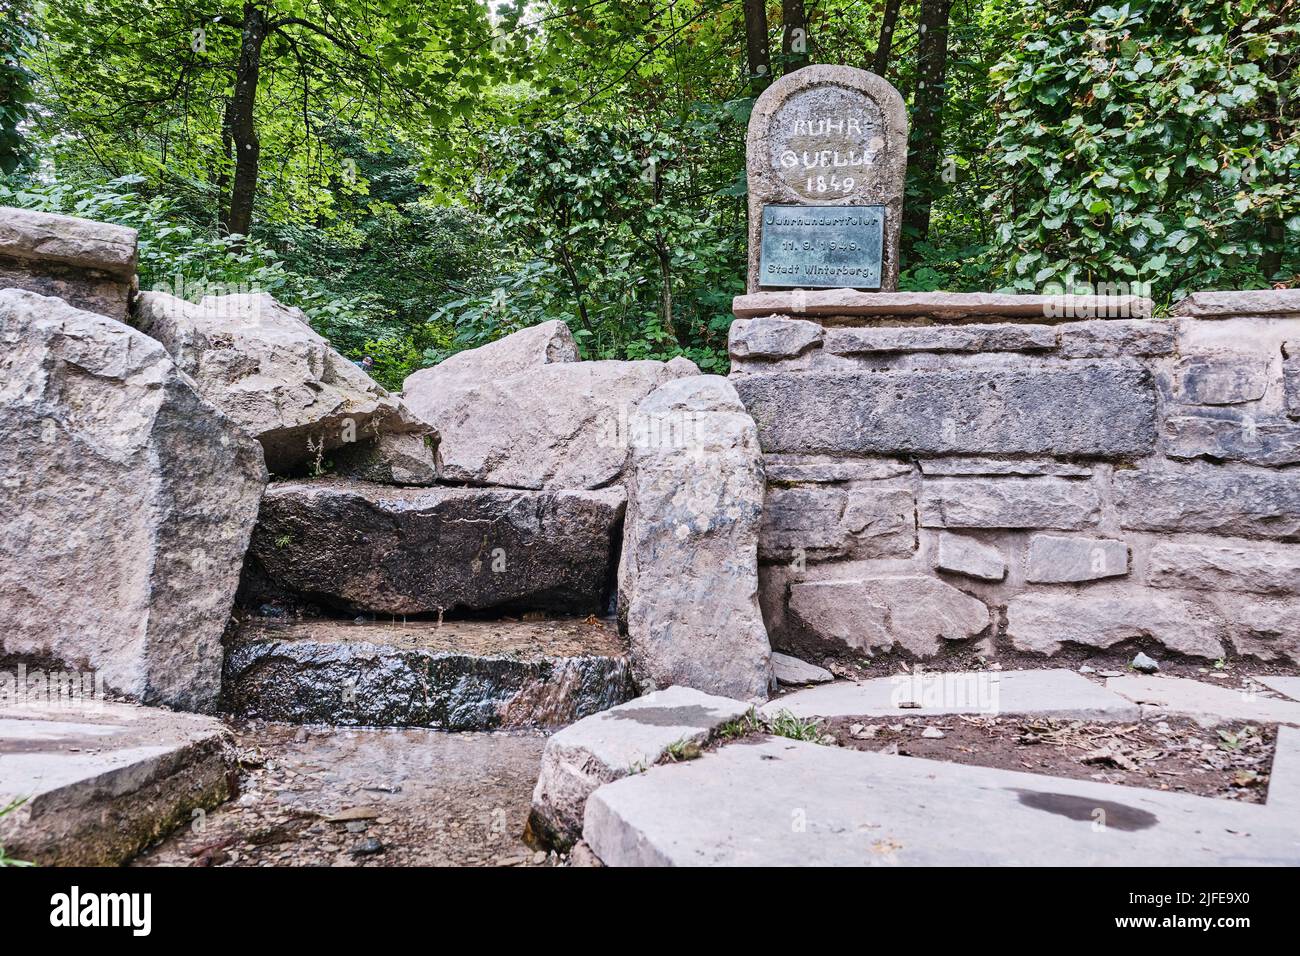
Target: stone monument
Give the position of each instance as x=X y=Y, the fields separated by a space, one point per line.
x=827 y=156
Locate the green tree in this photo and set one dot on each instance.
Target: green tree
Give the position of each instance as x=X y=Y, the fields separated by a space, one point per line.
x=237 y=98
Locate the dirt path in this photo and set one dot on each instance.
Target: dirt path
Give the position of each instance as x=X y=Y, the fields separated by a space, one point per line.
x=323 y=796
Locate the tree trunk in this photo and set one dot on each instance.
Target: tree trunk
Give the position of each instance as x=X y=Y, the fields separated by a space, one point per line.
x=880 y=63
x=927 y=116
x=664 y=256
x=223 y=173
x=758 y=60
x=243 y=133
x=794 y=35
x=566 y=263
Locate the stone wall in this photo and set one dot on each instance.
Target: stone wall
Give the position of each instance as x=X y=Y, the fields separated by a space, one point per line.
x=1013 y=472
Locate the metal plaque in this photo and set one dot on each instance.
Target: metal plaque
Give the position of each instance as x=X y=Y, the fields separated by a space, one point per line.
x=821 y=247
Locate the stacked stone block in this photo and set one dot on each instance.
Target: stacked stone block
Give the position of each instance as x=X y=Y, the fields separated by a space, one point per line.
x=1041 y=474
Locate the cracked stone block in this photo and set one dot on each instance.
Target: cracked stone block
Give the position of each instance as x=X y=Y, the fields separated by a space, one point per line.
x=1096 y=408
x=1261 y=569
x=917 y=613
x=1210 y=500
x=1002 y=337
x=607 y=746
x=1221 y=378
x=1229 y=435
x=821 y=521
x=772 y=338
x=1117 y=338
x=962 y=555
x=1009 y=503
x=1056 y=559
x=1100 y=616
x=359 y=547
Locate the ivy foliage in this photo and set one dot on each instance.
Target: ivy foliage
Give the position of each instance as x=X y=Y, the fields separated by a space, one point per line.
x=1149 y=142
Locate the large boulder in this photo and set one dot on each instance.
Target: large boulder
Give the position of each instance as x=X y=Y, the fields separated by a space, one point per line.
x=126 y=503
x=424 y=391
x=360 y=547
x=262 y=364
x=90 y=265
x=688 y=581
x=522 y=413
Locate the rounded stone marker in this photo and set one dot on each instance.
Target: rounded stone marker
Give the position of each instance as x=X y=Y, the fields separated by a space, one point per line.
x=828 y=136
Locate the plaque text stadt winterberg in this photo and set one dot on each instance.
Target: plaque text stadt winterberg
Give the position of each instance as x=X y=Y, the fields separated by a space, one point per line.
x=821 y=246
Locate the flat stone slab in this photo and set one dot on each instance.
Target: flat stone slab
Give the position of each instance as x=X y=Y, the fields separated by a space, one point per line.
x=1057 y=692
x=1284 y=777
x=1286 y=686
x=1220 y=305
x=458 y=675
x=1206 y=703
x=101 y=781
x=780 y=802
x=851 y=302
x=623 y=740
x=792 y=671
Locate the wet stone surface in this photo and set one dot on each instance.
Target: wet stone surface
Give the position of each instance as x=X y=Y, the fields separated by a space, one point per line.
x=323 y=796
x=456 y=675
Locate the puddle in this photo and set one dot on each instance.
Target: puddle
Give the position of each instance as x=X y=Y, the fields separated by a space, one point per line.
x=1116 y=816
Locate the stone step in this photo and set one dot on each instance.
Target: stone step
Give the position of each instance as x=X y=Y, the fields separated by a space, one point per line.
x=779 y=802
x=457 y=675
x=1207 y=703
x=100 y=781
x=355 y=547
x=1051 y=692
